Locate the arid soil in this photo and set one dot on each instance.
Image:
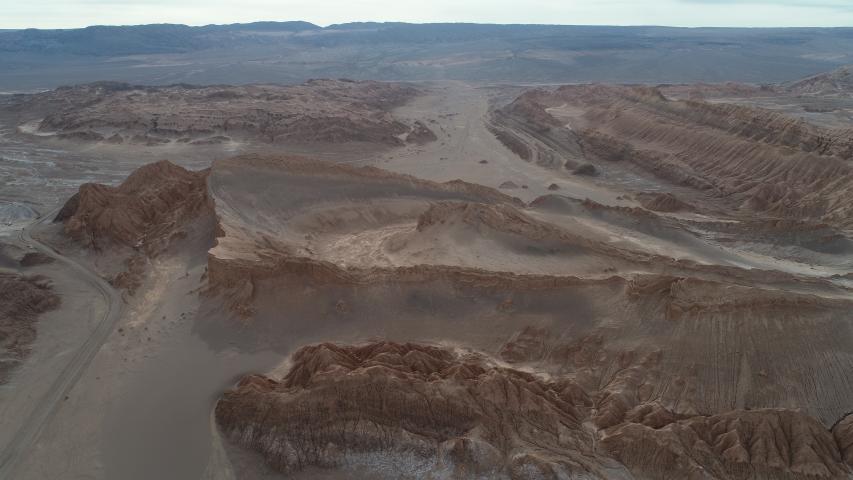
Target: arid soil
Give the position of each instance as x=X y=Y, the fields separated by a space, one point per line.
x=665 y=293
x=615 y=358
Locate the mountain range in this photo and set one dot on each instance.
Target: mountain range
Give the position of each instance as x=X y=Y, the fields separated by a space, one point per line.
x=291 y=52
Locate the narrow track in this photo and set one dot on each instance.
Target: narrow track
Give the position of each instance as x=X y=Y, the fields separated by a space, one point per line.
x=29 y=432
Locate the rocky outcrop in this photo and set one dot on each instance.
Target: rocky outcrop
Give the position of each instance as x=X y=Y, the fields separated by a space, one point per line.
x=435 y=411
x=420 y=134
x=756 y=444
x=586 y=169
x=843 y=433
x=664 y=367
x=531 y=107
x=153 y=206
x=22 y=300
x=511 y=141
x=755 y=160
x=156 y=206
x=430 y=409
x=32 y=259
x=838 y=81
x=810 y=235
x=663 y=202
x=284 y=247
x=318 y=111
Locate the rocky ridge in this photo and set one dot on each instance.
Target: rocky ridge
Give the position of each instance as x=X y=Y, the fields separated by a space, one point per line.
x=22 y=300
x=754 y=159
x=608 y=376
x=449 y=413
x=318 y=111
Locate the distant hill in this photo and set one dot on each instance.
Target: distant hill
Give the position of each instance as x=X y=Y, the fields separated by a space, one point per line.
x=836 y=81
x=104 y=41
x=291 y=52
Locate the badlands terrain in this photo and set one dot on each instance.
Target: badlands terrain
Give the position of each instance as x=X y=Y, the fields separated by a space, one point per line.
x=342 y=279
x=318 y=111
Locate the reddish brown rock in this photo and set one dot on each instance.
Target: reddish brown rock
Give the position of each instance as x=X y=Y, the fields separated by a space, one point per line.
x=22 y=300
x=145 y=212
x=734 y=445
x=663 y=202
x=318 y=111
x=448 y=411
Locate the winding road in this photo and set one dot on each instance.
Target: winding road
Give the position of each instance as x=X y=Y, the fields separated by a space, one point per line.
x=29 y=432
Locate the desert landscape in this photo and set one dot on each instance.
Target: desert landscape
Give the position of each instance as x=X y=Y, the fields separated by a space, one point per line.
x=428 y=277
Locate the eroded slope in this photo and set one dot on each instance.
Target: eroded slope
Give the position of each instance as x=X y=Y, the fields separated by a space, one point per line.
x=415 y=410
x=158 y=205
x=741 y=159
x=517 y=341
x=143 y=212
x=22 y=300
x=327 y=111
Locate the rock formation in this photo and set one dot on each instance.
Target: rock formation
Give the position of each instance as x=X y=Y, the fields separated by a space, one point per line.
x=32 y=259
x=838 y=81
x=427 y=410
x=22 y=300
x=145 y=212
x=750 y=159
x=753 y=444
x=319 y=111
x=447 y=413
x=557 y=339
x=663 y=202
x=157 y=205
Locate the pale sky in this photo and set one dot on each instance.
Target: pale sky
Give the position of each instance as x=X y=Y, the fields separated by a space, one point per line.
x=735 y=13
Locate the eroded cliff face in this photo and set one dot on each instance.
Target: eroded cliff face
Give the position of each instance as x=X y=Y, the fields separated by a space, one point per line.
x=450 y=413
x=663 y=367
x=766 y=443
x=144 y=212
x=843 y=432
x=756 y=160
x=22 y=300
x=836 y=82
x=157 y=206
x=318 y=111
x=659 y=367
x=619 y=362
x=428 y=410
x=664 y=202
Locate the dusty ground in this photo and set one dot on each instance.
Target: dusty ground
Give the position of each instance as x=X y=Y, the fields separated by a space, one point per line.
x=59 y=334
x=633 y=306
x=458 y=113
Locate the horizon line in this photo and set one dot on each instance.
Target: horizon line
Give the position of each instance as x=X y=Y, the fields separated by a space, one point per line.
x=398 y=22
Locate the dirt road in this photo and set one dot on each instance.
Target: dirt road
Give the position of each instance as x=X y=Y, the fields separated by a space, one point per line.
x=30 y=430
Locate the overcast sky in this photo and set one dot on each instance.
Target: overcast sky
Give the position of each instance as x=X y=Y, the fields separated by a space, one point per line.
x=748 y=13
